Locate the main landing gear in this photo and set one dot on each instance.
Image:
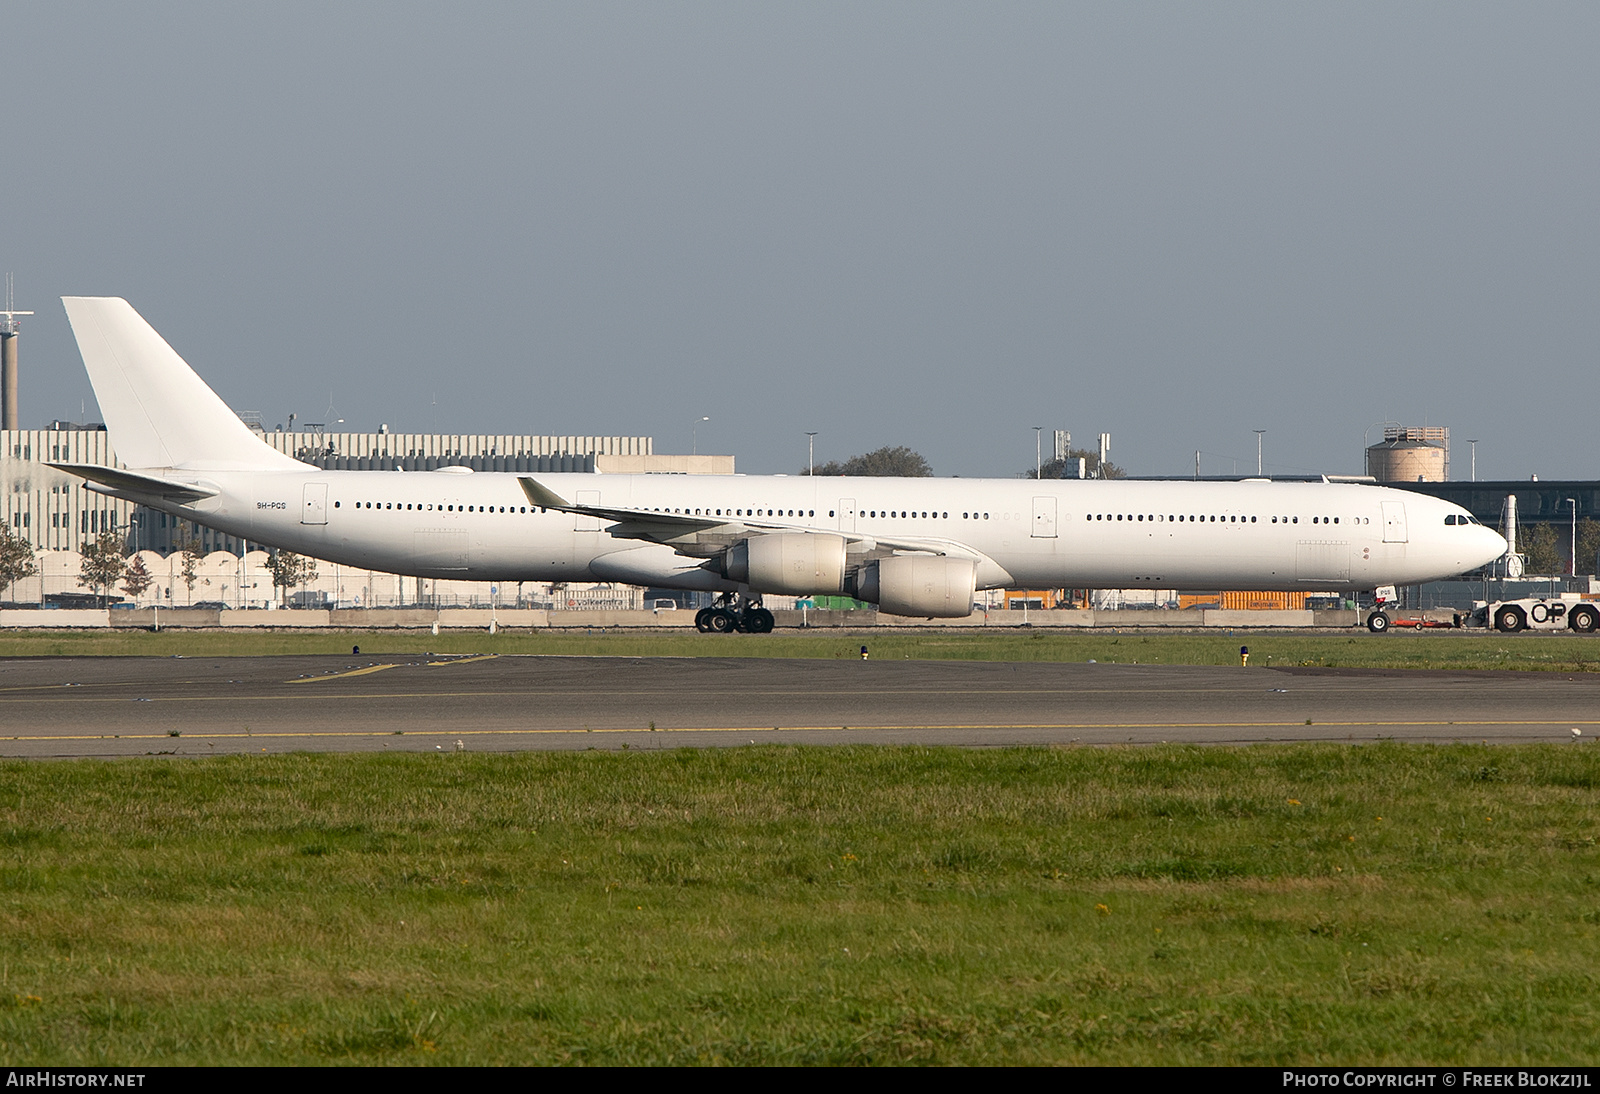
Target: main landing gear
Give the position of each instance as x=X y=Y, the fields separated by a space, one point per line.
x=746 y=615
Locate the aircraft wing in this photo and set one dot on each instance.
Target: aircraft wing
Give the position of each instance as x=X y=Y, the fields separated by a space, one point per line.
x=546 y=498
x=707 y=536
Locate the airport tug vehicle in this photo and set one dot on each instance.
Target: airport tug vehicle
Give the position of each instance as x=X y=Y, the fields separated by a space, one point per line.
x=1558 y=613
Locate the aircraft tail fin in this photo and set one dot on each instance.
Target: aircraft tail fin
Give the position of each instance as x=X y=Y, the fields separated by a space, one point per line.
x=158 y=411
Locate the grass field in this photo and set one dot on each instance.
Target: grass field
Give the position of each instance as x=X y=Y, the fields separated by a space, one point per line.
x=1435 y=650
x=1276 y=904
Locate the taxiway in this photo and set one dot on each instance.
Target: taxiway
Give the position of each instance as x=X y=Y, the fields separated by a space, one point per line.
x=205 y=706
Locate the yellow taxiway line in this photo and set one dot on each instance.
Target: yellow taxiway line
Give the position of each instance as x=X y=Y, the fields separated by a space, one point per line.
x=781 y=729
x=338 y=675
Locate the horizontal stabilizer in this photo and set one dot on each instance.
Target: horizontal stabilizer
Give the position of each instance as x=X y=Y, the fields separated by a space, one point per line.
x=130 y=482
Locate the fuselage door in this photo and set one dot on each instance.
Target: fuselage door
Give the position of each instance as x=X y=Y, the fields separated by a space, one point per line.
x=314 y=508
x=1394 y=522
x=1044 y=518
x=847 y=514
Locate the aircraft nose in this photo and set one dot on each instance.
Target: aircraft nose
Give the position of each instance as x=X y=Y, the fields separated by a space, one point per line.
x=1494 y=544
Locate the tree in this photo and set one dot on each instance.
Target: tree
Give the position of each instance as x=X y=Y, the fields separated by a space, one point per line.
x=290 y=570
x=191 y=562
x=1539 y=546
x=1588 y=545
x=1052 y=468
x=136 y=578
x=103 y=564
x=16 y=559
x=899 y=462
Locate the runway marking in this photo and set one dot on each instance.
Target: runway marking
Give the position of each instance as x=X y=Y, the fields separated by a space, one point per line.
x=781 y=729
x=317 y=679
x=464 y=660
x=56 y=692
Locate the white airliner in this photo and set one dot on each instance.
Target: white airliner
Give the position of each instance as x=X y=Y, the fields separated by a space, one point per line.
x=914 y=547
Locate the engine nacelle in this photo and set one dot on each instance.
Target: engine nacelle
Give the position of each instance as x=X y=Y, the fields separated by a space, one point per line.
x=795 y=563
x=924 y=585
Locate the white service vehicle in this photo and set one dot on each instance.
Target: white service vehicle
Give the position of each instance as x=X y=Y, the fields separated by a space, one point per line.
x=1557 y=613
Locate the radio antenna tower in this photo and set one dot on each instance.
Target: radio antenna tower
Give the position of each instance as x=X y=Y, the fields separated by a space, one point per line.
x=8 y=359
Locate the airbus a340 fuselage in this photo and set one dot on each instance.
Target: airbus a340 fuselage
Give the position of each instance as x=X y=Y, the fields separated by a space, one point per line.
x=1045 y=534
x=919 y=545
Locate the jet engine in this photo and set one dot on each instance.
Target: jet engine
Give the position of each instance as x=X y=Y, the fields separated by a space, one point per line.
x=796 y=563
x=923 y=585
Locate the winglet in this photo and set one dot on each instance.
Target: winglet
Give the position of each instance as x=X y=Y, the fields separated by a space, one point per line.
x=542 y=496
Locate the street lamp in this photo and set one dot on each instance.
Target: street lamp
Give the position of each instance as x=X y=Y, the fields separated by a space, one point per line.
x=811 y=452
x=1038 y=451
x=1258 y=433
x=694 y=437
x=1474 y=445
x=1574 y=503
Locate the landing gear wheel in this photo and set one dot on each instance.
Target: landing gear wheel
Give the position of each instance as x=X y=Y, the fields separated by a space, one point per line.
x=702 y=620
x=758 y=621
x=1583 y=620
x=1378 y=623
x=721 y=621
x=1509 y=620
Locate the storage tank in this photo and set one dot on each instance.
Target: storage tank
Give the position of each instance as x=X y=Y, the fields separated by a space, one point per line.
x=1411 y=454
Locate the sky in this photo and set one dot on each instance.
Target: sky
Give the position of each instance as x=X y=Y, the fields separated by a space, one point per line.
x=922 y=224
